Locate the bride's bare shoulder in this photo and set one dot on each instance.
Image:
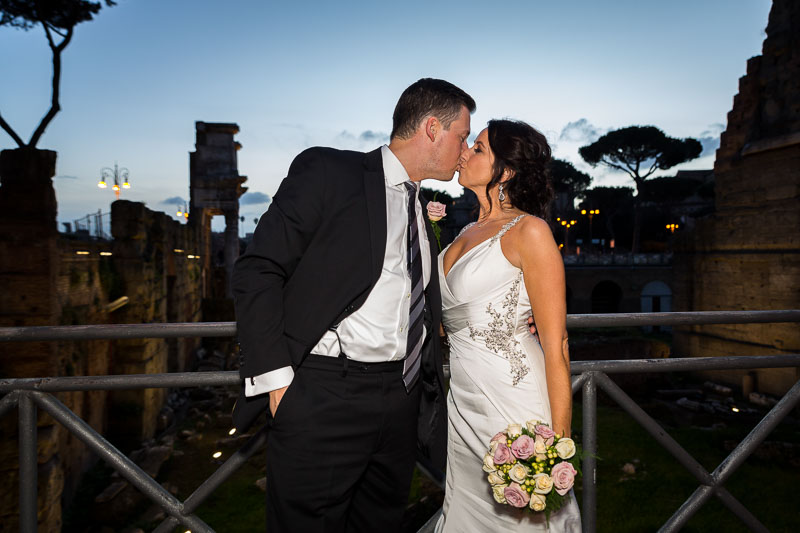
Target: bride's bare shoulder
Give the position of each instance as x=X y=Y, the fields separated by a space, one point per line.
x=533 y=229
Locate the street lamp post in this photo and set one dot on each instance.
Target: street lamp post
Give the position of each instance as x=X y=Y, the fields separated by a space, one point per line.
x=117 y=173
x=567 y=224
x=672 y=228
x=184 y=213
x=590 y=213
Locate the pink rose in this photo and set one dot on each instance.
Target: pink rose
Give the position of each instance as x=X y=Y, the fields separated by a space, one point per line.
x=515 y=496
x=563 y=475
x=544 y=431
x=500 y=437
x=436 y=211
x=522 y=447
x=502 y=454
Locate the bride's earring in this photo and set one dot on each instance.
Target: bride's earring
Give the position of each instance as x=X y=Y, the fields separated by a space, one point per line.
x=501 y=195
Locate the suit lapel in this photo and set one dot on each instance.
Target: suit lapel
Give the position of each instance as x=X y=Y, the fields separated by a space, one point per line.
x=375 y=192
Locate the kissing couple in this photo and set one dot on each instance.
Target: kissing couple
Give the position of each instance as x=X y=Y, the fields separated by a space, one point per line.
x=340 y=299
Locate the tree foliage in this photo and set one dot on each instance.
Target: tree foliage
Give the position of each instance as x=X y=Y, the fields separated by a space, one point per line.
x=566 y=178
x=58 y=18
x=639 y=151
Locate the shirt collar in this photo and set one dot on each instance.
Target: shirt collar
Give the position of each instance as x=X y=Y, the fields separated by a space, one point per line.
x=393 y=169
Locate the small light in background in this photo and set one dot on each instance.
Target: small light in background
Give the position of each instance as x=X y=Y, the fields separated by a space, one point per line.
x=106 y=254
x=178 y=251
x=82 y=252
x=735 y=409
x=232 y=431
x=190 y=256
x=217 y=455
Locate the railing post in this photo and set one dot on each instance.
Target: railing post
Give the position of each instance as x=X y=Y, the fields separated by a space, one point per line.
x=589 y=511
x=28 y=465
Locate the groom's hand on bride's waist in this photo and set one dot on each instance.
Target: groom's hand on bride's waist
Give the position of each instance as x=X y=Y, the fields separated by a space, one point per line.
x=275 y=398
x=532 y=327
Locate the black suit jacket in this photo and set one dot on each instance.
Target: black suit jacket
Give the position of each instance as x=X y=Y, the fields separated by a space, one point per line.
x=315 y=256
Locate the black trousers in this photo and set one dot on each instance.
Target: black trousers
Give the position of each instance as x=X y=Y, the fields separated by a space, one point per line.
x=342 y=449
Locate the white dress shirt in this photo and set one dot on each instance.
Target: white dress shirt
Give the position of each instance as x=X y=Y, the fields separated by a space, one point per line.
x=377 y=331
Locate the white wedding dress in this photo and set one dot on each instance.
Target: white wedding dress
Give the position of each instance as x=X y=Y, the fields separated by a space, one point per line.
x=497 y=377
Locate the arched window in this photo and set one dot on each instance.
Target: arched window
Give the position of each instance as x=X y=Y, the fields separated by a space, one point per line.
x=656 y=298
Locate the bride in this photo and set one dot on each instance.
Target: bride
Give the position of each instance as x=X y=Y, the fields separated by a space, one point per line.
x=493 y=275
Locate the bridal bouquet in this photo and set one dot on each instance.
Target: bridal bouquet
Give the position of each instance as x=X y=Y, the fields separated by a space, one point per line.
x=531 y=466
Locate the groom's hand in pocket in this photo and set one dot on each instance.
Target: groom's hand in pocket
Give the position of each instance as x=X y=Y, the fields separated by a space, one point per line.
x=275 y=398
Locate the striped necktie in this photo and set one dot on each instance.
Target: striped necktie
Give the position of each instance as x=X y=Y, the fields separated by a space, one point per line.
x=415 y=313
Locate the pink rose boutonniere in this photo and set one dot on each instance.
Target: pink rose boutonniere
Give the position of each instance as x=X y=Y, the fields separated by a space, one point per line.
x=436 y=212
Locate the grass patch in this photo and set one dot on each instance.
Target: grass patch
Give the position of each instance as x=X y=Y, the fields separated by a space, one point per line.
x=645 y=500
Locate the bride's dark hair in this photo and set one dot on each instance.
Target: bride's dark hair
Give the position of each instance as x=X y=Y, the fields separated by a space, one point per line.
x=523 y=150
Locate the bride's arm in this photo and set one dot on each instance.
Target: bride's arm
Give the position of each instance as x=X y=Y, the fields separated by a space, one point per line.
x=533 y=249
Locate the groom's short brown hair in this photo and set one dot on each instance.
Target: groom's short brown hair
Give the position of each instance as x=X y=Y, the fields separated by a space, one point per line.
x=428 y=97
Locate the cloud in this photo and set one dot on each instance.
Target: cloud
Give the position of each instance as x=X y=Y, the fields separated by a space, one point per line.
x=710 y=139
x=373 y=137
x=251 y=198
x=365 y=139
x=581 y=131
x=174 y=200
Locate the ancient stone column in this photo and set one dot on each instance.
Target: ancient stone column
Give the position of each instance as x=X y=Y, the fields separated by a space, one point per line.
x=29 y=263
x=231 y=247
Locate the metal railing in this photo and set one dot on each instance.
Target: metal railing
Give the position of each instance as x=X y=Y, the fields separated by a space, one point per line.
x=30 y=394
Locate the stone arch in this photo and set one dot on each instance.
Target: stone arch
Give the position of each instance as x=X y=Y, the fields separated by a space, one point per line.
x=606 y=297
x=656 y=297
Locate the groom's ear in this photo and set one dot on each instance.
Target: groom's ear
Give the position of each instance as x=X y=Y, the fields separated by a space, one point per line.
x=432 y=128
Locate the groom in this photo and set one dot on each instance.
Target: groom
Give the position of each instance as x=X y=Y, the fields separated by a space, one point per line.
x=338 y=311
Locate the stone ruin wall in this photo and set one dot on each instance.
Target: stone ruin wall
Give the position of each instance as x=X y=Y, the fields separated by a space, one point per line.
x=746 y=256
x=46 y=283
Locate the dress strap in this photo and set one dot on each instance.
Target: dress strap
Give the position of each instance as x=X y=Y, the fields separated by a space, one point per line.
x=507 y=226
x=465 y=228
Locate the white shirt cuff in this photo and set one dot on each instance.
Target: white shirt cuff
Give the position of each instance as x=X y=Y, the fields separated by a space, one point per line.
x=268 y=382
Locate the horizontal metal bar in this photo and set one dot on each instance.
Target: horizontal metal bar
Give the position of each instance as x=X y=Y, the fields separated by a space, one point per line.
x=123 y=381
x=686 y=364
x=119 y=331
x=228 y=329
x=682 y=318
x=231 y=378
x=117 y=460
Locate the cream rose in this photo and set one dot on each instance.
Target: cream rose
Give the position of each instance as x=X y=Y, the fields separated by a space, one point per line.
x=565 y=448
x=498 y=491
x=540 y=448
x=538 y=502
x=488 y=463
x=544 y=484
x=531 y=424
x=519 y=472
x=514 y=430
x=493 y=446
x=496 y=479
